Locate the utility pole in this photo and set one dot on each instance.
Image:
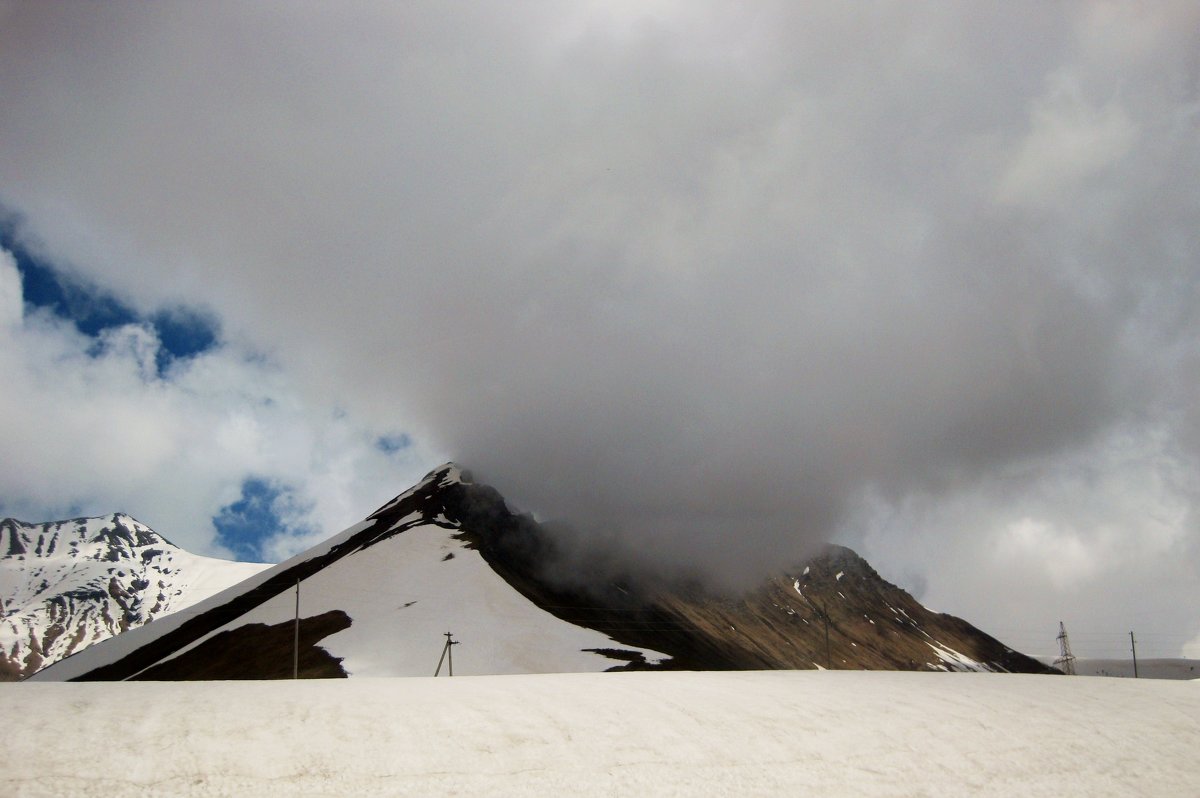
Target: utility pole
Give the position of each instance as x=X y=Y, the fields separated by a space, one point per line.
x=824 y=617
x=296 y=637
x=1066 y=660
x=828 y=657
x=447 y=653
x=1133 y=644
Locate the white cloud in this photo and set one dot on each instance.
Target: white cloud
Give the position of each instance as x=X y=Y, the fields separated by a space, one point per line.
x=1068 y=142
x=1061 y=554
x=1104 y=538
x=705 y=273
x=11 y=303
x=90 y=428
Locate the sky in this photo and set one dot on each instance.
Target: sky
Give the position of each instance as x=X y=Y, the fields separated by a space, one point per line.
x=711 y=284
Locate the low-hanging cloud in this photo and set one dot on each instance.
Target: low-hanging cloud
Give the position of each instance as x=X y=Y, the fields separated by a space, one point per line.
x=711 y=282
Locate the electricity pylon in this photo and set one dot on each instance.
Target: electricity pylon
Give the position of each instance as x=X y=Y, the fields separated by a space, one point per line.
x=1066 y=660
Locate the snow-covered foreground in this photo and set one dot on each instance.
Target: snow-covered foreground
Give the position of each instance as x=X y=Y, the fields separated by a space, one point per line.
x=732 y=733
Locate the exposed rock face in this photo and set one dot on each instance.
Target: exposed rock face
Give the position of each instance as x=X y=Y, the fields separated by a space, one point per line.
x=224 y=656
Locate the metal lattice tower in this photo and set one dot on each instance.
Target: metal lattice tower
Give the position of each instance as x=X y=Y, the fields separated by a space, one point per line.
x=1066 y=660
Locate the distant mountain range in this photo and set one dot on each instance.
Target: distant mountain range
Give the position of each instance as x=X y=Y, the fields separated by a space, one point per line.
x=68 y=584
x=446 y=575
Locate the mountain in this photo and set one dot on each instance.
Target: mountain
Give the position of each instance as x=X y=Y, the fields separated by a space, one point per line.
x=65 y=585
x=374 y=600
x=448 y=561
x=833 y=611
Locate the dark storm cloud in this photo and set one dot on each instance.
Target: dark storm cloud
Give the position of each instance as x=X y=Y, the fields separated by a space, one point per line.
x=694 y=277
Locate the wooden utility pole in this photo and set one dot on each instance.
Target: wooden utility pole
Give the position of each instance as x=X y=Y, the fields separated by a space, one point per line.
x=447 y=654
x=828 y=657
x=824 y=617
x=296 y=640
x=1133 y=644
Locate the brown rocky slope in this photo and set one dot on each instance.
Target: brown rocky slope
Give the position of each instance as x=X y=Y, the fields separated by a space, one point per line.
x=833 y=611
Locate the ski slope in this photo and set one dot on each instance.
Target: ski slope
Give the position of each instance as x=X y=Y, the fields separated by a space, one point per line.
x=643 y=733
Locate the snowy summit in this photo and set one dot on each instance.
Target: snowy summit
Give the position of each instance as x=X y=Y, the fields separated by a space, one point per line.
x=68 y=584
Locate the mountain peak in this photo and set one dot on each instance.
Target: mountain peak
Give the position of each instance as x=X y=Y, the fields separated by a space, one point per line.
x=448 y=473
x=108 y=537
x=67 y=584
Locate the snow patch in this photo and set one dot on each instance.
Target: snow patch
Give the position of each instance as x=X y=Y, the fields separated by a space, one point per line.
x=954 y=660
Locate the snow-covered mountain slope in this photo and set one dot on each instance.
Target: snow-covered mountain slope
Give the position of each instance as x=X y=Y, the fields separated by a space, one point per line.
x=68 y=584
x=450 y=556
x=582 y=735
x=374 y=600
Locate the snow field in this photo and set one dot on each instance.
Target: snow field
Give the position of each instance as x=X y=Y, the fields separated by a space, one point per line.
x=402 y=595
x=728 y=733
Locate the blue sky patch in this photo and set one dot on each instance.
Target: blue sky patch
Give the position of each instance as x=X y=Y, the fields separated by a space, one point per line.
x=243 y=527
x=182 y=332
x=389 y=444
x=43 y=287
